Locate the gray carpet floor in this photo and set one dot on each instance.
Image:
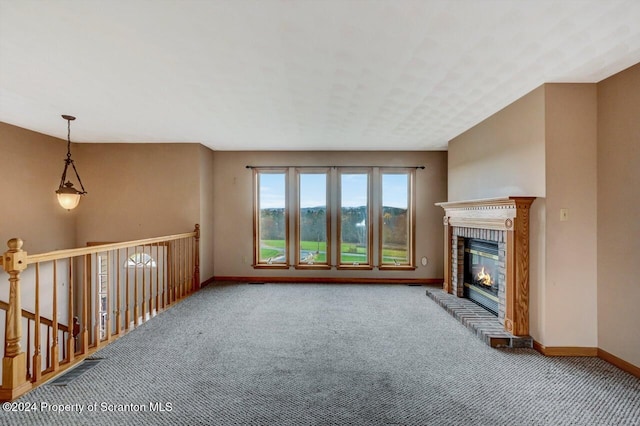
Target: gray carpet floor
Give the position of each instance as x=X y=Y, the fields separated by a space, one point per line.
x=327 y=354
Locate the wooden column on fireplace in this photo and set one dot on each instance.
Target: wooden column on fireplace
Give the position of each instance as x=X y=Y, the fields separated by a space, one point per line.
x=509 y=215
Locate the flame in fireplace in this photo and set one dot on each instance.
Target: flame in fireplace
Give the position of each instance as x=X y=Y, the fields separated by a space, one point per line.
x=484 y=278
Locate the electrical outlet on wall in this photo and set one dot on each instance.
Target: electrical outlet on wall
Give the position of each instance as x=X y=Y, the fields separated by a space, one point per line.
x=564 y=215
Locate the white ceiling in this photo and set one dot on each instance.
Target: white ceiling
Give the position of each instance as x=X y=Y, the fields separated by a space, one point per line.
x=297 y=74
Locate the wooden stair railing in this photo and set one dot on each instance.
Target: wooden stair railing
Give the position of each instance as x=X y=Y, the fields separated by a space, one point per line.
x=31 y=317
x=97 y=293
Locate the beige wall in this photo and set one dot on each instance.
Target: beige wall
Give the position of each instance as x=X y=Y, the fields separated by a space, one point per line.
x=503 y=155
x=233 y=224
x=571 y=246
x=207 y=216
x=618 y=214
x=147 y=190
x=544 y=145
x=31 y=165
x=138 y=191
x=583 y=292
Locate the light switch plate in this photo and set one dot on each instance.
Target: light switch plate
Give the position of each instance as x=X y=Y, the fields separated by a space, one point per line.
x=564 y=215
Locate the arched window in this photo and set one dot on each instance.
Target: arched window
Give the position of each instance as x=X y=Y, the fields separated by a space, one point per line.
x=140 y=260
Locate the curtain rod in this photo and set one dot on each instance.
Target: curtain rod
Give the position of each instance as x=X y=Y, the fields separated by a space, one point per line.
x=335 y=167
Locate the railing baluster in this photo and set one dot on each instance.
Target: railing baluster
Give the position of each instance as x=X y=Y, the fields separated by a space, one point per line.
x=97 y=276
x=188 y=275
x=85 y=307
x=64 y=350
x=196 y=243
x=127 y=312
x=172 y=272
x=187 y=270
x=107 y=312
x=184 y=266
x=48 y=352
x=165 y=267
x=28 y=376
x=144 y=286
x=176 y=264
x=136 y=314
x=181 y=260
x=71 y=339
x=55 y=360
x=150 y=268
x=157 y=278
x=192 y=266
x=37 y=358
x=118 y=302
x=151 y=260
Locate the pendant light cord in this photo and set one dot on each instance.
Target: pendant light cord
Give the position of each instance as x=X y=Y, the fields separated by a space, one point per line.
x=68 y=139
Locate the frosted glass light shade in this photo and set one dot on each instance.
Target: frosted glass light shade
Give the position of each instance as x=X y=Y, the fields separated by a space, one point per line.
x=68 y=196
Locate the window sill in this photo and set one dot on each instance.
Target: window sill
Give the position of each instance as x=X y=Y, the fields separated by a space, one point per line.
x=318 y=266
x=397 y=268
x=272 y=266
x=358 y=267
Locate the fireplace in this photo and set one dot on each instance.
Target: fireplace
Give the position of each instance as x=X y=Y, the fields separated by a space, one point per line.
x=481 y=273
x=492 y=234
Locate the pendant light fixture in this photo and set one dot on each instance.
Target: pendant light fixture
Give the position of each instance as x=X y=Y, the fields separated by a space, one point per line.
x=68 y=196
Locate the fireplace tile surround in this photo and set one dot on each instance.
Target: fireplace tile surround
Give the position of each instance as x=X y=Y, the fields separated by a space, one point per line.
x=504 y=221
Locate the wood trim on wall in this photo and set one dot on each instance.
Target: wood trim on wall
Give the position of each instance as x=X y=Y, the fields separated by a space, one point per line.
x=329 y=280
x=448 y=235
x=207 y=281
x=619 y=362
x=564 y=350
x=586 y=351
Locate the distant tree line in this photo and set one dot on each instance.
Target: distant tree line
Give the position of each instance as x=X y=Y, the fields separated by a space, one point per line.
x=272 y=224
x=394 y=229
x=314 y=220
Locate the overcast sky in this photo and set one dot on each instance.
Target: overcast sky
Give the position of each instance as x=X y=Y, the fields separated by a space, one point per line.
x=313 y=189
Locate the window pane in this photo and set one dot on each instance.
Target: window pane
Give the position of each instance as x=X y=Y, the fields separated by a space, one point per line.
x=313 y=218
x=354 y=226
x=395 y=219
x=272 y=228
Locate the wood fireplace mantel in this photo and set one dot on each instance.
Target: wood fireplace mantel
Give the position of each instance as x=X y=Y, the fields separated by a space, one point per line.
x=511 y=216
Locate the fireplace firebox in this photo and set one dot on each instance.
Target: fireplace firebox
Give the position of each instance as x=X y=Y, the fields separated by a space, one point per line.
x=481 y=277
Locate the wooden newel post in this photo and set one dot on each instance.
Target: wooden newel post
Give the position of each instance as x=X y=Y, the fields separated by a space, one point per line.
x=196 y=270
x=14 y=362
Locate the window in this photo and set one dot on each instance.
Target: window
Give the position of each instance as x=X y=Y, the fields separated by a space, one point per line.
x=103 y=288
x=344 y=217
x=271 y=218
x=312 y=248
x=396 y=241
x=354 y=219
x=140 y=260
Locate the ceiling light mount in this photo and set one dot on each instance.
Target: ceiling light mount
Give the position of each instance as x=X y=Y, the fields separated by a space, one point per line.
x=68 y=196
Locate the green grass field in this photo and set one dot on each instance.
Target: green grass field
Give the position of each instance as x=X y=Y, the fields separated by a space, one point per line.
x=350 y=252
